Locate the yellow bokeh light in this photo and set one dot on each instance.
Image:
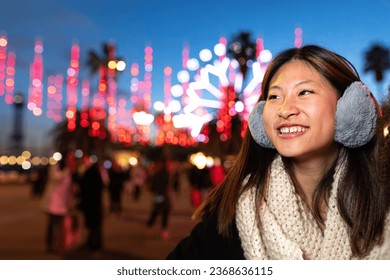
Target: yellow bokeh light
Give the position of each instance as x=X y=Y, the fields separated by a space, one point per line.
x=4 y=160
x=12 y=160
x=52 y=161
x=199 y=160
x=112 y=64
x=20 y=160
x=386 y=131
x=26 y=154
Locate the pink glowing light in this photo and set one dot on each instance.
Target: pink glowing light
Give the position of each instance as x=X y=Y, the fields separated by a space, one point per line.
x=10 y=78
x=148 y=78
x=36 y=75
x=54 y=97
x=111 y=94
x=167 y=85
x=71 y=87
x=298 y=37
x=3 y=59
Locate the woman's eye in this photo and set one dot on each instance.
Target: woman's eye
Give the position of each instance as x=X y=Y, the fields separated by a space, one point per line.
x=272 y=96
x=305 y=92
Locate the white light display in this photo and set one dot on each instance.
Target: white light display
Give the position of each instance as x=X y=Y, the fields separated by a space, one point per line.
x=207 y=89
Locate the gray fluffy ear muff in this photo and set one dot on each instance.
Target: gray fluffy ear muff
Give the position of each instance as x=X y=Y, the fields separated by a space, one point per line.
x=356 y=116
x=256 y=126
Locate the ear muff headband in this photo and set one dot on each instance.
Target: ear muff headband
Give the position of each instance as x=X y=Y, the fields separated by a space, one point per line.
x=356 y=115
x=256 y=126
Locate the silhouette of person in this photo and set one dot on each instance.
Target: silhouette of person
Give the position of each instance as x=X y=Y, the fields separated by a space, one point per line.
x=117 y=178
x=138 y=180
x=159 y=182
x=39 y=182
x=201 y=183
x=92 y=182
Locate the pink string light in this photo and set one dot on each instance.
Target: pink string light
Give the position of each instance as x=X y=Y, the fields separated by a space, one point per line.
x=36 y=85
x=54 y=97
x=71 y=88
x=10 y=78
x=3 y=58
x=298 y=37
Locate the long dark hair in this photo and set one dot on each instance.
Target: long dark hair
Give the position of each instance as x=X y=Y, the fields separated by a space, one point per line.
x=363 y=201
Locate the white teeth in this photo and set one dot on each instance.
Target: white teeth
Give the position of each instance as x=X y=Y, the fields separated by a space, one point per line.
x=292 y=129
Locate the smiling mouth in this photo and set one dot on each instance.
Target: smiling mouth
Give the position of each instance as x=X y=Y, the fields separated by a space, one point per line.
x=292 y=129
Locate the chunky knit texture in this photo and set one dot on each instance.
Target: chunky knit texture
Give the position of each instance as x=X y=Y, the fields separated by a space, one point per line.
x=288 y=231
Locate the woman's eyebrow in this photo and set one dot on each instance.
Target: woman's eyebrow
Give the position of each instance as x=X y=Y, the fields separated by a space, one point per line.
x=296 y=85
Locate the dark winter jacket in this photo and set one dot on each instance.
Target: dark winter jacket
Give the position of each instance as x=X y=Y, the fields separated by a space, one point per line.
x=204 y=243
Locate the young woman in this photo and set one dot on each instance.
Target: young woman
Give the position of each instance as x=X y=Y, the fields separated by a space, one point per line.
x=58 y=200
x=308 y=182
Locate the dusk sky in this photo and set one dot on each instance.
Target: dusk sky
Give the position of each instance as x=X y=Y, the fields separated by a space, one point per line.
x=346 y=27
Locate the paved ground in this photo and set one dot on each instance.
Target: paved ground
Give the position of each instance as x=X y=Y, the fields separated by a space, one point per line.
x=23 y=223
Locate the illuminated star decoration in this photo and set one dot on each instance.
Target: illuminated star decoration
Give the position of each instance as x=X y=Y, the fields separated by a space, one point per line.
x=195 y=113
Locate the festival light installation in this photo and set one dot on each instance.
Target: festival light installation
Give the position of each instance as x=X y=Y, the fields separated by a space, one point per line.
x=54 y=97
x=141 y=113
x=123 y=131
x=148 y=64
x=212 y=93
x=3 y=59
x=97 y=116
x=104 y=101
x=228 y=98
x=10 y=78
x=298 y=37
x=185 y=81
x=85 y=95
x=71 y=88
x=36 y=75
x=111 y=92
x=167 y=85
x=50 y=100
x=164 y=117
x=167 y=132
x=114 y=65
x=215 y=90
x=135 y=98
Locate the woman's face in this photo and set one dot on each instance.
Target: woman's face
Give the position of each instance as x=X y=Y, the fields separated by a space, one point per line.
x=299 y=114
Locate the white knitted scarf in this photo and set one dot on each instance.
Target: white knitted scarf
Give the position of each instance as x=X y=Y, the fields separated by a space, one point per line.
x=288 y=231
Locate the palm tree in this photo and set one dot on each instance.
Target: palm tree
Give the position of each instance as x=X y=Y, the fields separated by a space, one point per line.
x=65 y=140
x=96 y=61
x=377 y=60
x=99 y=64
x=243 y=49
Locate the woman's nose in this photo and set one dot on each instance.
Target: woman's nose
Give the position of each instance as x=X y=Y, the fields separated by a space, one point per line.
x=288 y=108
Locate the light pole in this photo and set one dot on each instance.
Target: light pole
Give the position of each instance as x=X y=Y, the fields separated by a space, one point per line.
x=17 y=134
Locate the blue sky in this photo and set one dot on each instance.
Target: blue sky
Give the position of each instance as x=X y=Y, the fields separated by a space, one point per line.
x=346 y=27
